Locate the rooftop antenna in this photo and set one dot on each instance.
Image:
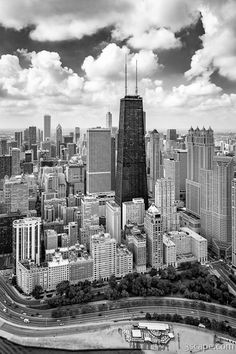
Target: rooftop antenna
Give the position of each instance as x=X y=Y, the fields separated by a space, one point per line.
x=136 y=79
x=125 y=74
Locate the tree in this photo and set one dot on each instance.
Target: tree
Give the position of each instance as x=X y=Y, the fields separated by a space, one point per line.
x=37 y=291
x=62 y=287
x=148 y=316
x=153 y=272
x=112 y=282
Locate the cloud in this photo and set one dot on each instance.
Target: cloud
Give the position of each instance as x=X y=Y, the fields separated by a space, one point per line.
x=155 y=39
x=219 y=46
x=45 y=76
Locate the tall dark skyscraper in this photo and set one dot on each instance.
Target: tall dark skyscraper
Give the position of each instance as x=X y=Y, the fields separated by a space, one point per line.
x=131 y=178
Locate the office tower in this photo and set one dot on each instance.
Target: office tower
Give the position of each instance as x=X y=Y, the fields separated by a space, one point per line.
x=77 y=135
x=133 y=212
x=98 y=160
x=26 y=239
x=171 y=134
x=200 y=144
x=68 y=139
x=34 y=148
x=223 y=174
x=144 y=122
x=89 y=211
x=32 y=136
x=28 y=167
x=19 y=139
x=53 y=151
x=109 y=120
x=131 y=177
x=155 y=159
x=113 y=163
x=136 y=243
x=73 y=232
x=50 y=240
x=165 y=202
x=47 y=127
x=103 y=252
x=3 y=147
x=15 y=154
x=234 y=221
x=75 y=177
x=154 y=232
x=16 y=194
x=58 y=138
x=26 y=136
x=113 y=220
x=71 y=150
x=5 y=166
x=172 y=170
x=28 y=156
x=206 y=203
x=181 y=156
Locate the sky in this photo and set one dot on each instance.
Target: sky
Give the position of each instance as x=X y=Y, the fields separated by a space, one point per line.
x=66 y=58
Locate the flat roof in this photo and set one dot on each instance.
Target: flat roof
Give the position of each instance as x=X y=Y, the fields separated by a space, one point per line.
x=136 y=333
x=155 y=326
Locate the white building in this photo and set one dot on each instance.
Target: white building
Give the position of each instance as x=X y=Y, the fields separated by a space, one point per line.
x=165 y=202
x=133 y=211
x=27 y=239
x=124 y=261
x=103 y=251
x=136 y=242
x=89 y=211
x=113 y=220
x=169 y=252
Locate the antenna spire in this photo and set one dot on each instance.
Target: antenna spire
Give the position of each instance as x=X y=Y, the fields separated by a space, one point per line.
x=136 y=79
x=126 y=74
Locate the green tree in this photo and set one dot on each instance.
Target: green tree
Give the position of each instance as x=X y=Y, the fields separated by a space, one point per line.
x=37 y=291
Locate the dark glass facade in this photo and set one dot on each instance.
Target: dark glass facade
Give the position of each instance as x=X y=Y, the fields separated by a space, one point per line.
x=131 y=178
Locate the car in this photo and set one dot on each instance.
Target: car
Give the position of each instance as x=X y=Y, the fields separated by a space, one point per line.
x=61 y=324
x=21 y=317
x=4 y=309
x=26 y=320
x=58 y=320
x=4 y=301
x=23 y=313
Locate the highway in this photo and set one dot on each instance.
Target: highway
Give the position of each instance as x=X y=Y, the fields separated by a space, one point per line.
x=224 y=274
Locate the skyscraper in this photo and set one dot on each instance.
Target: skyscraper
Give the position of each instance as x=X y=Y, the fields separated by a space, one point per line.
x=200 y=145
x=154 y=231
x=172 y=170
x=155 y=159
x=32 y=136
x=26 y=241
x=15 y=153
x=58 y=138
x=77 y=135
x=131 y=178
x=47 y=127
x=18 y=139
x=223 y=174
x=234 y=221
x=113 y=220
x=109 y=120
x=99 y=160
x=5 y=166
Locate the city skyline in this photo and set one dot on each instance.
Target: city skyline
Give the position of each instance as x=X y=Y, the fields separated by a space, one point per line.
x=67 y=61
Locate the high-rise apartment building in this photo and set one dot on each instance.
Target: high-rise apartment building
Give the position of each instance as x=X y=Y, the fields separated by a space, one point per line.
x=165 y=202
x=200 y=144
x=3 y=147
x=154 y=231
x=109 y=120
x=89 y=211
x=103 y=252
x=133 y=212
x=47 y=127
x=136 y=242
x=15 y=154
x=180 y=155
x=98 y=160
x=131 y=177
x=155 y=159
x=27 y=239
x=113 y=220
